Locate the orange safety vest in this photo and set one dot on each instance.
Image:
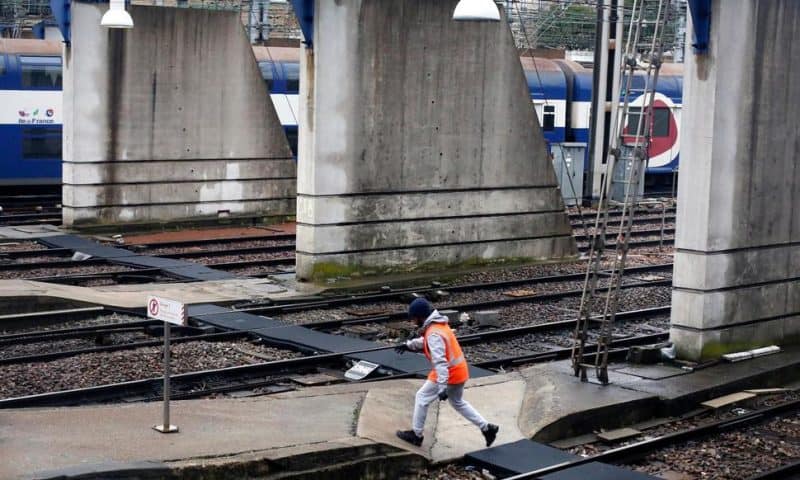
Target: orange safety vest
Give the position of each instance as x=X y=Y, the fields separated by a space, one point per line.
x=457 y=369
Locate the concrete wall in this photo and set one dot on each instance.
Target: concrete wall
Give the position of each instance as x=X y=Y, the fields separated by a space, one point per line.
x=170 y=120
x=737 y=265
x=419 y=147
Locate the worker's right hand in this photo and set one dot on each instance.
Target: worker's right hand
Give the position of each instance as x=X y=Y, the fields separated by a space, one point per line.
x=401 y=349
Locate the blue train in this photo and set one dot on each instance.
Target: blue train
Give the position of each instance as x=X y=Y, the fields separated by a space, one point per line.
x=560 y=91
x=30 y=112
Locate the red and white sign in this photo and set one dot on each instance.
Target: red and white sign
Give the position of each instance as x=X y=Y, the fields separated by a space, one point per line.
x=166 y=310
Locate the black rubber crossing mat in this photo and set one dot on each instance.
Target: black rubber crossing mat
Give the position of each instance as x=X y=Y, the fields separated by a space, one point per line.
x=206 y=309
x=303 y=338
x=198 y=272
x=518 y=457
x=313 y=340
x=151 y=262
x=176 y=268
x=233 y=320
x=526 y=456
x=89 y=247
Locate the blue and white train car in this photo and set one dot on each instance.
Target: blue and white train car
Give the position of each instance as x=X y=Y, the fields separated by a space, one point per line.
x=548 y=90
x=280 y=67
x=665 y=128
x=30 y=112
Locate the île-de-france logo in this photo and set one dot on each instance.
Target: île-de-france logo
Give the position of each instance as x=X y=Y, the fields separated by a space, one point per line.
x=33 y=116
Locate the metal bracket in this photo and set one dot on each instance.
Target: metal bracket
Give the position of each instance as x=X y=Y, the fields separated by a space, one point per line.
x=62 y=11
x=701 y=20
x=304 y=11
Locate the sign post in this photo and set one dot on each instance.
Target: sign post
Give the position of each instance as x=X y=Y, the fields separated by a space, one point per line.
x=168 y=311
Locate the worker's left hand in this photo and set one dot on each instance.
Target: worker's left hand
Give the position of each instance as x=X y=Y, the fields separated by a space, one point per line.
x=443 y=395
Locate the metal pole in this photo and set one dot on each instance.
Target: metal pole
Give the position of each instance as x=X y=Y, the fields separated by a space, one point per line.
x=166 y=427
x=166 y=374
x=663 y=222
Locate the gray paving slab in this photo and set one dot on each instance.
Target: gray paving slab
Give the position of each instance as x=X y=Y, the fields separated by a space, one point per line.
x=652 y=372
x=518 y=457
x=532 y=403
x=740 y=375
x=29 y=232
x=47 y=440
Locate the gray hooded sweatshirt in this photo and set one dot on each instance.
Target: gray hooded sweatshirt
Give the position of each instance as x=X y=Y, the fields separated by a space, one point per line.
x=436 y=347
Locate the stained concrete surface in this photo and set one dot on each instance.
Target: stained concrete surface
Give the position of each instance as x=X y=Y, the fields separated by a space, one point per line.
x=738 y=225
x=543 y=402
x=169 y=120
x=135 y=296
x=409 y=162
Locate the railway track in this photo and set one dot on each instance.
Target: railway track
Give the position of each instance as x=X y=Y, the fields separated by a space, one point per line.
x=738 y=432
x=56 y=265
x=279 y=372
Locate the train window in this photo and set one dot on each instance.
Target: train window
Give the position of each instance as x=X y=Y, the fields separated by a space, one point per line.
x=292 y=77
x=266 y=72
x=291 y=135
x=40 y=143
x=549 y=118
x=40 y=72
x=634 y=114
x=661 y=122
x=2 y=64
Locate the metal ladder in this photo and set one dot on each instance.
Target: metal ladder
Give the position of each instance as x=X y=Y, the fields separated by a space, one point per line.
x=642 y=54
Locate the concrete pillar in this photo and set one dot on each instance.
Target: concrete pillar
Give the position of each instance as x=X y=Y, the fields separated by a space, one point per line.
x=169 y=121
x=419 y=147
x=737 y=261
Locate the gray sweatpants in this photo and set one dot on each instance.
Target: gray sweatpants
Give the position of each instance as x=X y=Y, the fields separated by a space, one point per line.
x=430 y=392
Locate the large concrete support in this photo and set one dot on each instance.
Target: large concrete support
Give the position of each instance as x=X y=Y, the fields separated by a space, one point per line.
x=170 y=120
x=419 y=147
x=737 y=265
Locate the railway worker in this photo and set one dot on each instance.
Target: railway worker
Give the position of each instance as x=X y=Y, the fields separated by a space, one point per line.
x=447 y=377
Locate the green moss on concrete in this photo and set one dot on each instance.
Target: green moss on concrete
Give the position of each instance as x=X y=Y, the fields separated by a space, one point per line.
x=324 y=271
x=715 y=350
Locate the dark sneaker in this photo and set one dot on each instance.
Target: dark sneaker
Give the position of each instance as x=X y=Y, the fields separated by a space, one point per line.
x=490 y=433
x=410 y=437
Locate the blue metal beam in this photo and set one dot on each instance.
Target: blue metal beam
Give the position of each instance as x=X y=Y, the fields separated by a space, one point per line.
x=62 y=13
x=701 y=20
x=304 y=11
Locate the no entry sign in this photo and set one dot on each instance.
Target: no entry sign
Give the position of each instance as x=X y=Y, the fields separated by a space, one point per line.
x=166 y=310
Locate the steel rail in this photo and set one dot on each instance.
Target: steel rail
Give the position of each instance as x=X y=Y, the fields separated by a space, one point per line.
x=5 y=267
x=618 y=353
x=290 y=247
x=77 y=332
x=132 y=273
x=644 y=447
x=393 y=294
x=47 y=252
x=46 y=357
x=331 y=324
x=12 y=321
x=205 y=241
x=557 y=325
x=269 y=262
x=139 y=389
x=785 y=471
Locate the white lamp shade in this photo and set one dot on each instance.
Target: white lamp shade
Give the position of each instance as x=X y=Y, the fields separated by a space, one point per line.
x=476 y=10
x=116 y=16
